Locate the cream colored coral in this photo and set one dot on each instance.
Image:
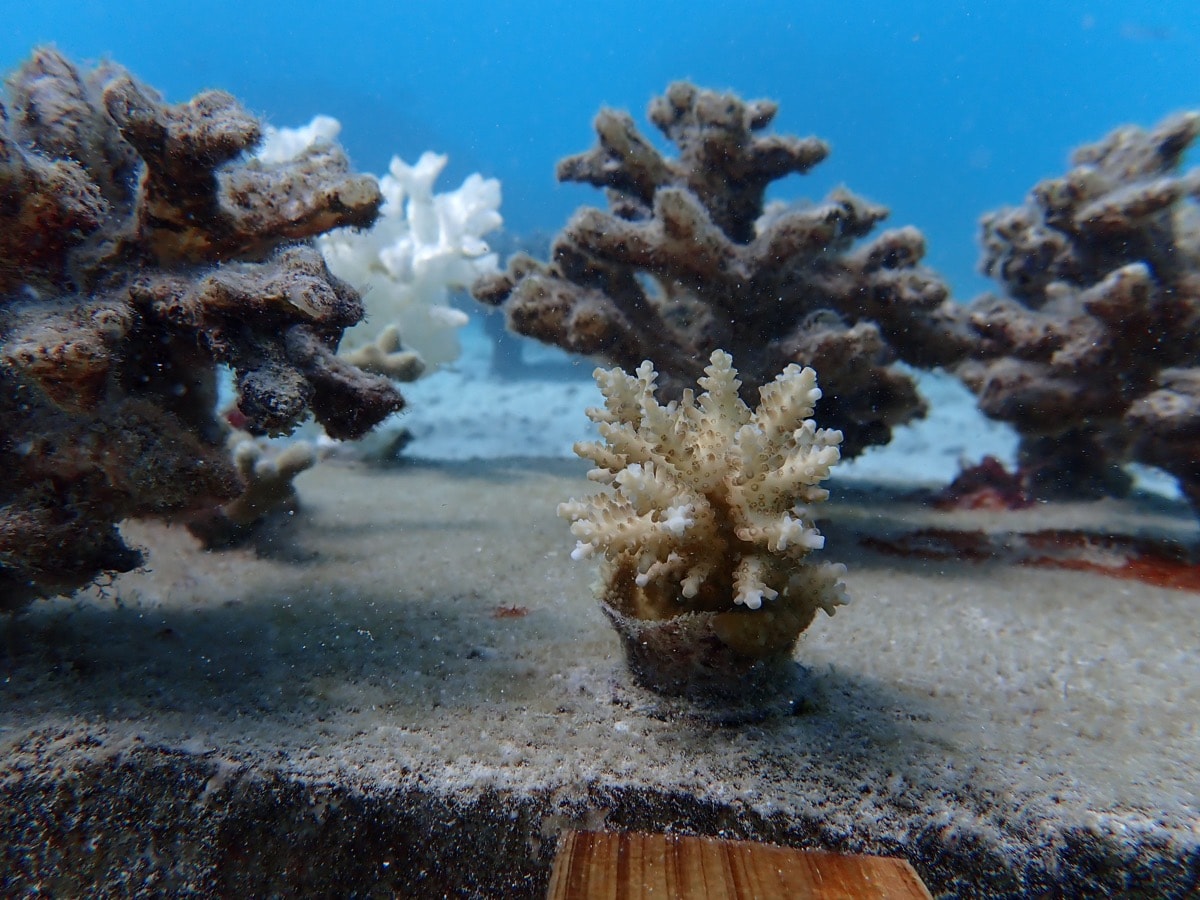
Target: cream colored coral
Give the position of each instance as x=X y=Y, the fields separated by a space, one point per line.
x=709 y=509
x=267 y=477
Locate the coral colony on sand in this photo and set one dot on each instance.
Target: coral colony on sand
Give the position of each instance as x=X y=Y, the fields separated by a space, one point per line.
x=705 y=535
x=145 y=248
x=141 y=249
x=688 y=259
x=1094 y=357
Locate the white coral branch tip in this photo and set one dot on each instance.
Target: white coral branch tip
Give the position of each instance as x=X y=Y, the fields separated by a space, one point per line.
x=678 y=519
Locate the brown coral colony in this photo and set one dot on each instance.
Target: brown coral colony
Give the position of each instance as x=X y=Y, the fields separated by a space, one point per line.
x=140 y=247
x=143 y=247
x=1093 y=357
x=688 y=259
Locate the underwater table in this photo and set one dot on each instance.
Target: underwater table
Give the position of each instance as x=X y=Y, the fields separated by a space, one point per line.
x=409 y=687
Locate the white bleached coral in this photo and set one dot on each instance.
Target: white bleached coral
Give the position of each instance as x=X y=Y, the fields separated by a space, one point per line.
x=280 y=145
x=709 y=509
x=423 y=246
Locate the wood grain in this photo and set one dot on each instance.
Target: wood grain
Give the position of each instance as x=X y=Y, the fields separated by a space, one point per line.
x=598 y=865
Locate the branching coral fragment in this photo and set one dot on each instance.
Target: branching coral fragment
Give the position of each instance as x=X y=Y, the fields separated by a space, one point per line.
x=708 y=513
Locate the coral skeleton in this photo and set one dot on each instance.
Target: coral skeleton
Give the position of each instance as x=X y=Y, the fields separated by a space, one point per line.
x=422 y=248
x=143 y=251
x=705 y=535
x=689 y=258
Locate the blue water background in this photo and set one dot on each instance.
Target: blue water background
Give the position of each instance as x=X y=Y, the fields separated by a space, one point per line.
x=941 y=110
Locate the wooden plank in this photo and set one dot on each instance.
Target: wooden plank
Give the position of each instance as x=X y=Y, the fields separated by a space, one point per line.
x=603 y=865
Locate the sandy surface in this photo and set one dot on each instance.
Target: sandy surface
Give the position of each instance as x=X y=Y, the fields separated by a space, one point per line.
x=468 y=411
x=421 y=630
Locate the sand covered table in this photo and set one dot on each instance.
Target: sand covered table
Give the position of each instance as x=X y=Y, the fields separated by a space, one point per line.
x=411 y=688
